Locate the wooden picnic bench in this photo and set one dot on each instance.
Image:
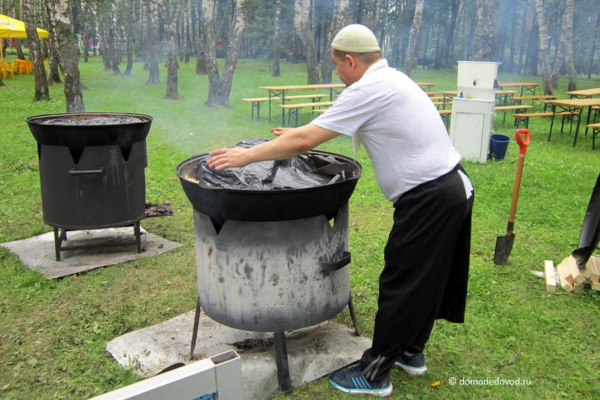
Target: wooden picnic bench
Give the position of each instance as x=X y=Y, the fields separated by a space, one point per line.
x=516 y=108
x=524 y=118
x=595 y=131
x=519 y=99
x=294 y=108
x=256 y=101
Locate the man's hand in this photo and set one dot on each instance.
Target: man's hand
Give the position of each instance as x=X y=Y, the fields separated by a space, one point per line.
x=229 y=157
x=279 y=131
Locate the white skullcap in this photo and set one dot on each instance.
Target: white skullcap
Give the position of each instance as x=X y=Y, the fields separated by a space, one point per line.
x=355 y=38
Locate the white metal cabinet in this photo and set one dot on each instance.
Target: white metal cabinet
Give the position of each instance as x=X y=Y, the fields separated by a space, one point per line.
x=471 y=126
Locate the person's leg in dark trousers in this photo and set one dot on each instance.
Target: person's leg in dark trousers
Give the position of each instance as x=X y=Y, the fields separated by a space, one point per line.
x=430 y=221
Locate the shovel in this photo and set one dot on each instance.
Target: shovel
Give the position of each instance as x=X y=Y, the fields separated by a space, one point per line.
x=504 y=244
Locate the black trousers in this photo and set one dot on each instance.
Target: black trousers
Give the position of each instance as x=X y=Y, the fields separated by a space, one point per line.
x=426 y=270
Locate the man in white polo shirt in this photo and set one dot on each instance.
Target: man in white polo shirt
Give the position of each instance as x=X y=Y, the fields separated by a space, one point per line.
x=417 y=168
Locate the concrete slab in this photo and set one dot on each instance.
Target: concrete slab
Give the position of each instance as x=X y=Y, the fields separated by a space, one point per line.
x=37 y=253
x=313 y=352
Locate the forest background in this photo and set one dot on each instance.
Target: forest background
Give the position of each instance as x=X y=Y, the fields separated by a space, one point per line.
x=547 y=37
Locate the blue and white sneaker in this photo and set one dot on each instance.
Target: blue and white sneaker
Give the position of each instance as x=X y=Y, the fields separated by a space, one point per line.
x=412 y=364
x=354 y=382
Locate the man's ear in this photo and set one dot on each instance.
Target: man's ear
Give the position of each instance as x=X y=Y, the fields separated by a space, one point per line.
x=351 y=60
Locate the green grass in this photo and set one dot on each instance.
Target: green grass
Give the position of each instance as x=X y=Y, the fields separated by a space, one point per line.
x=53 y=333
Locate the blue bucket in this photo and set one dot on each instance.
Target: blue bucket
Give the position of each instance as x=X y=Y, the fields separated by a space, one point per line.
x=498 y=146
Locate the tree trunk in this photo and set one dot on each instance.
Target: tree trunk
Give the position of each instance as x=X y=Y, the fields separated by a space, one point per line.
x=560 y=52
x=104 y=39
x=447 y=60
x=593 y=50
x=35 y=53
x=569 y=11
x=233 y=51
x=276 y=38
x=198 y=35
x=53 y=59
x=209 y=47
x=412 y=38
x=485 y=42
x=302 y=28
x=170 y=12
x=129 y=21
x=114 y=48
x=340 y=16
x=153 y=45
x=68 y=56
x=543 y=55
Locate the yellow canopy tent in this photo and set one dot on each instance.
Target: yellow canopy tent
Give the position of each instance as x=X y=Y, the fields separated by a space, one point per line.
x=13 y=28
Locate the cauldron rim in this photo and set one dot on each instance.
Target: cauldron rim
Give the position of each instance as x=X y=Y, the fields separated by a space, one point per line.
x=355 y=176
x=223 y=204
x=38 y=119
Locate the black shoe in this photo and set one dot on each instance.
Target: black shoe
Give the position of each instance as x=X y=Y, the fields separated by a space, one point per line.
x=412 y=364
x=354 y=382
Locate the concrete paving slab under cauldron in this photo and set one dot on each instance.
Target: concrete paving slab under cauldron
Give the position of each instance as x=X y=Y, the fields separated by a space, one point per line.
x=313 y=352
x=37 y=253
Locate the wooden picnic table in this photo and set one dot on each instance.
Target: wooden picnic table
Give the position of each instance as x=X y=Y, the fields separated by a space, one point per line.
x=280 y=92
x=426 y=85
x=571 y=105
x=448 y=94
x=525 y=86
x=584 y=93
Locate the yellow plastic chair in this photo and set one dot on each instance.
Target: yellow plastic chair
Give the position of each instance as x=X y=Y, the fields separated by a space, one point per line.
x=7 y=69
x=28 y=67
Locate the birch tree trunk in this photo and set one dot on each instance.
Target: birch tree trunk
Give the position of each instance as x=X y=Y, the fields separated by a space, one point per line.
x=560 y=53
x=209 y=48
x=543 y=54
x=61 y=14
x=569 y=11
x=153 y=71
x=53 y=59
x=197 y=32
x=104 y=39
x=276 y=38
x=302 y=28
x=35 y=53
x=485 y=41
x=412 y=39
x=170 y=12
x=340 y=18
x=129 y=36
x=233 y=51
x=593 y=50
x=113 y=45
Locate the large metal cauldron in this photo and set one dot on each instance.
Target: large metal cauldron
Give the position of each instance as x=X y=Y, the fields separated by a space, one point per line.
x=92 y=176
x=271 y=260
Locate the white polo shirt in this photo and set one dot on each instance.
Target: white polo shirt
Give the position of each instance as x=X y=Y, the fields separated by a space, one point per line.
x=399 y=126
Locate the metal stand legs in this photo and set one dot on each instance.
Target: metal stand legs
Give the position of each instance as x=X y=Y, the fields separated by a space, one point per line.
x=60 y=236
x=281 y=352
x=353 y=316
x=281 y=359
